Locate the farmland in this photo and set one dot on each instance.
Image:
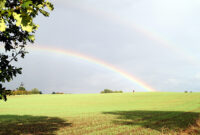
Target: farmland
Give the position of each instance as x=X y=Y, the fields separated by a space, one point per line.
x=91 y=114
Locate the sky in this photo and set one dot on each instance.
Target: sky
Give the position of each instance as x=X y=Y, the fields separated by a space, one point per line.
x=154 y=41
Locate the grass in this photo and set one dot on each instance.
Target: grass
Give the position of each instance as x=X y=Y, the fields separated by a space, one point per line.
x=77 y=114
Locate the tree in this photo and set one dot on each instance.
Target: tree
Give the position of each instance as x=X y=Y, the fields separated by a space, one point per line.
x=21 y=87
x=107 y=91
x=16 y=31
x=35 y=91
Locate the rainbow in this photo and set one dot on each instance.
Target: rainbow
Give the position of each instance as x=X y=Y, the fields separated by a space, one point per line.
x=162 y=41
x=95 y=61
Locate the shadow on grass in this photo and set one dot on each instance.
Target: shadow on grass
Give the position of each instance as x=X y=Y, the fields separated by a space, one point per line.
x=27 y=124
x=158 y=120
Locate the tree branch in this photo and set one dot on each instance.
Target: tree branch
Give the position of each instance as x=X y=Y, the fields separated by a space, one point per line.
x=15 y=56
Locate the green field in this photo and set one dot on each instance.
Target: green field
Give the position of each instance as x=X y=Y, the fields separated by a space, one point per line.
x=102 y=114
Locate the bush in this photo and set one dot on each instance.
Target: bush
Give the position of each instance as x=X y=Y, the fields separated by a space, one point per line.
x=118 y=91
x=35 y=91
x=111 y=91
x=19 y=92
x=57 y=93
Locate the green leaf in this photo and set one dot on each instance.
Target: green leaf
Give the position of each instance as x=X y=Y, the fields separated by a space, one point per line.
x=2 y=25
x=49 y=6
x=31 y=37
x=28 y=28
x=17 y=18
x=26 y=4
x=40 y=6
x=2 y=4
x=45 y=13
x=29 y=10
x=26 y=19
x=9 y=13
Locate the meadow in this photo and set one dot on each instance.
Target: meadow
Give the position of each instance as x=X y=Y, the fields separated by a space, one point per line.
x=102 y=114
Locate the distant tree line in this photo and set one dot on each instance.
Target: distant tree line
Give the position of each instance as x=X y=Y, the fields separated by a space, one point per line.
x=25 y=92
x=21 y=90
x=111 y=91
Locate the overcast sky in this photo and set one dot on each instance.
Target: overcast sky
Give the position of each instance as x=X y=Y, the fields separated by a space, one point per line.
x=156 y=41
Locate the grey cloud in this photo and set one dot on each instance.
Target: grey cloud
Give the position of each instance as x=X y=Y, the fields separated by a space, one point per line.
x=114 y=41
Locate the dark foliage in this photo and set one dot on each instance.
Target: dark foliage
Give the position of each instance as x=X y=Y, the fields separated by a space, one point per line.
x=16 y=31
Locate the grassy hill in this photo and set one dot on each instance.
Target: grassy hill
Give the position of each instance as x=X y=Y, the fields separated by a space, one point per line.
x=117 y=113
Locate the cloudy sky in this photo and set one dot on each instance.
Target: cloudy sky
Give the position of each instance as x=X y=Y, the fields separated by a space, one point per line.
x=155 y=41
